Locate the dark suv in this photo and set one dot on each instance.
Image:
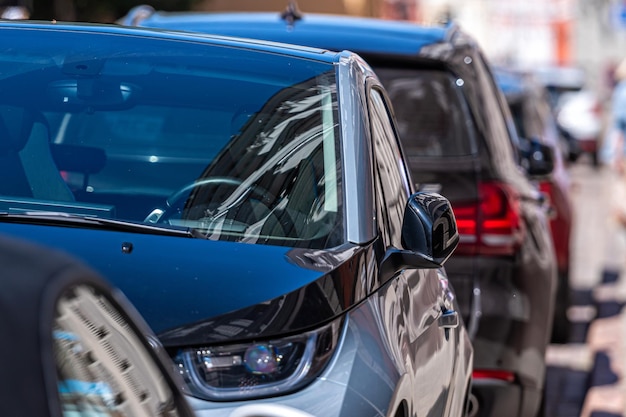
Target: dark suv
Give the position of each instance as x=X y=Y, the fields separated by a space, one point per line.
x=459 y=138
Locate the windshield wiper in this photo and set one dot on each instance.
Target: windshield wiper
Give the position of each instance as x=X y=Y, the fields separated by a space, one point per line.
x=54 y=218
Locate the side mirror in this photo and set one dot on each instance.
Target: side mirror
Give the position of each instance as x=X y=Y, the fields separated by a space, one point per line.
x=76 y=344
x=429 y=233
x=536 y=157
x=429 y=227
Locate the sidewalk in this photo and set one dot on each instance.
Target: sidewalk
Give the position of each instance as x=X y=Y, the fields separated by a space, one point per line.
x=598 y=356
x=606 y=338
x=606 y=394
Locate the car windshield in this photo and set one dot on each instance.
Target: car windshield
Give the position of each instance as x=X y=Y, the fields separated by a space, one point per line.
x=233 y=143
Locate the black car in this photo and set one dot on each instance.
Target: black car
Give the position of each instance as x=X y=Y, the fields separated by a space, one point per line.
x=251 y=200
x=460 y=141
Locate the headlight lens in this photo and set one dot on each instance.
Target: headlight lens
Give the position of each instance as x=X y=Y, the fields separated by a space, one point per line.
x=257 y=369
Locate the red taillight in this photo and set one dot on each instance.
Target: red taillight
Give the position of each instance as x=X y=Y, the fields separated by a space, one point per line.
x=491 y=225
x=466 y=221
x=493 y=374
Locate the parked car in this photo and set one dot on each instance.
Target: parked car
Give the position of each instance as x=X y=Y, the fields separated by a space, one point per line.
x=530 y=108
x=74 y=345
x=577 y=109
x=457 y=133
x=252 y=201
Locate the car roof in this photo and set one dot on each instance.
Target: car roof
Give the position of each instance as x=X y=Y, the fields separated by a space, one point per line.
x=297 y=51
x=360 y=34
x=516 y=84
x=511 y=83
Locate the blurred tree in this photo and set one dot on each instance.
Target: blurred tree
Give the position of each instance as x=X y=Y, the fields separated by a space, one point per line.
x=105 y=11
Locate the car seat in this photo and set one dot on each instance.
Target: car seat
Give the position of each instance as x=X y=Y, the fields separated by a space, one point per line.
x=25 y=157
x=15 y=182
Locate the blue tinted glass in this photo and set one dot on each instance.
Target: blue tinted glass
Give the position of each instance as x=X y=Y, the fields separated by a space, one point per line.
x=234 y=143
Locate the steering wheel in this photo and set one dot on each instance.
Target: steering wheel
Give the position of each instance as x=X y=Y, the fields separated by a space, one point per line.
x=177 y=199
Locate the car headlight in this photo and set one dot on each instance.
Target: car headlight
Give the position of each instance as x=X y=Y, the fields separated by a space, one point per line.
x=257 y=369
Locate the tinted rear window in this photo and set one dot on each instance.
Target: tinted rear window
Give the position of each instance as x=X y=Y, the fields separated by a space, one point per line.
x=429 y=110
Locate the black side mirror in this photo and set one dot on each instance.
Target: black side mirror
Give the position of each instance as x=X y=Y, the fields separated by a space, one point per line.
x=429 y=233
x=429 y=227
x=536 y=157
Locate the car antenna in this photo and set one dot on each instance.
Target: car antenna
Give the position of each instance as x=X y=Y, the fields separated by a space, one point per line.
x=291 y=14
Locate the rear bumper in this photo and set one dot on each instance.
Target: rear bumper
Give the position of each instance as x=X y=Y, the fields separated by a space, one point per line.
x=508 y=307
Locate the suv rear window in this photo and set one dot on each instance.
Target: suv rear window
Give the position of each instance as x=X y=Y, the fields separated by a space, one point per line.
x=429 y=111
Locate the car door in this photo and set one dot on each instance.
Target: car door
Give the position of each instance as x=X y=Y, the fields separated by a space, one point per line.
x=413 y=299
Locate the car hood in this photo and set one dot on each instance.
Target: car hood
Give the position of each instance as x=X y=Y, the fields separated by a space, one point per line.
x=198 y=291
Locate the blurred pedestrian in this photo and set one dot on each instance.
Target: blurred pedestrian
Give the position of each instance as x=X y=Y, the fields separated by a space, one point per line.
x=613 y=151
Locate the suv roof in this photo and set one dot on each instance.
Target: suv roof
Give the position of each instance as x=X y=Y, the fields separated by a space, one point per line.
x=393 y=37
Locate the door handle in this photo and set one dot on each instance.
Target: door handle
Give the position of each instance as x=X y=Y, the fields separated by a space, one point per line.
x=449 y=319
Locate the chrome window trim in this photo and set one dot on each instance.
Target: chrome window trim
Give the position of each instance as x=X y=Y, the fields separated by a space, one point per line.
x=359 y=206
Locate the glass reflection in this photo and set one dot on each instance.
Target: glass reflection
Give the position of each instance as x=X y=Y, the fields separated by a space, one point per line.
x=277 y=178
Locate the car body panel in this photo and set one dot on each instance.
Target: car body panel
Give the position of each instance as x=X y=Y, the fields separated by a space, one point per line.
x=201 y=279
x=342 y=389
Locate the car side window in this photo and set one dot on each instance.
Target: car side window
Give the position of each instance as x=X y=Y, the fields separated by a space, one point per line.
x=391 y=173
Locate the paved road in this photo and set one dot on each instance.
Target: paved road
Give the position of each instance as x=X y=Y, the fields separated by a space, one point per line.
x=586 y=377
